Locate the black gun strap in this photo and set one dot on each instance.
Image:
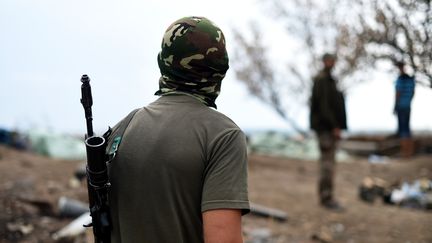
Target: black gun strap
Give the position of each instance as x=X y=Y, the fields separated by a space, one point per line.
x=117 y=134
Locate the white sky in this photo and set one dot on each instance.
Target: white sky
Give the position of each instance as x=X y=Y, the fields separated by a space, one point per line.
x=46 y=46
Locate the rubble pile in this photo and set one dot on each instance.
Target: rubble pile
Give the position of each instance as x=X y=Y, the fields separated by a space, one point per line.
x=417 y=195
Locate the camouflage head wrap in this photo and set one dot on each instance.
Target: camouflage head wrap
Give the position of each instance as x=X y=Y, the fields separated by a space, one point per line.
x=193 y=59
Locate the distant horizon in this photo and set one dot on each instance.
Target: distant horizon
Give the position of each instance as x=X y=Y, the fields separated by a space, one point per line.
x=246 y=130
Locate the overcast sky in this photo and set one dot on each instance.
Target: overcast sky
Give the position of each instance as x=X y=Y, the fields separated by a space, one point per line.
x=46 y=46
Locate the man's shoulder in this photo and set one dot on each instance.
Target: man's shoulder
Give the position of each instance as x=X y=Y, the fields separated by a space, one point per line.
x=405 y=81
x=321 y=79
x=406 y=77
x=216 y=118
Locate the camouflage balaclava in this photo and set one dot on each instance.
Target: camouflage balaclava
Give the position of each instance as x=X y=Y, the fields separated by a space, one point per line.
x=193 y=59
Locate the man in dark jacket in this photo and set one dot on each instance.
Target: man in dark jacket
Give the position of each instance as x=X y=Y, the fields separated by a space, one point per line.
x=327 y=119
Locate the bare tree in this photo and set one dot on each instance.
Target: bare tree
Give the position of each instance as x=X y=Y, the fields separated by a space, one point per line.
x=360 y=32
x=401 y=30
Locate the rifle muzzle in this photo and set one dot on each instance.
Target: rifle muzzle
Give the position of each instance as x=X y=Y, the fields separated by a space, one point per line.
x=96 y=160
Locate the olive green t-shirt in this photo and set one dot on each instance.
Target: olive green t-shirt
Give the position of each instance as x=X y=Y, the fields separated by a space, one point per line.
x=177 y=159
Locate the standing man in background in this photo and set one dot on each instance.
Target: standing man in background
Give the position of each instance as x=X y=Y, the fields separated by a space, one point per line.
x=405 y=86
x=180 y=172
x=327 y=119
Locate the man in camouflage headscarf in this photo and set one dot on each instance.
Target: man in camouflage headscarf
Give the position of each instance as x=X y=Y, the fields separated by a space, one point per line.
x=180 y=174
x=193 y=59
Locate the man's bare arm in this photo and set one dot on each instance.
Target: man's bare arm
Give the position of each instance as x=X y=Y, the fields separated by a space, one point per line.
x=222 y=226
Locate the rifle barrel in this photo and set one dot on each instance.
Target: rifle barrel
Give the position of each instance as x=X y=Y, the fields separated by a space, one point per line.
x=97 y=177
x=87 y=102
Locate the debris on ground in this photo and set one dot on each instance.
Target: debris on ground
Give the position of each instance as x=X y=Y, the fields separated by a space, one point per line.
x=417 y=195
x=257 y=235
x=71 y=208
x=365 y=145
x=31 y=187
x=263 y=211
x=323 y=236
x=74 y=228
x=382 y=145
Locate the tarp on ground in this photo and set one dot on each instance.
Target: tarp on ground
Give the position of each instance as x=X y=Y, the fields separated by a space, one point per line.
x=281 y=144
x=58 y=146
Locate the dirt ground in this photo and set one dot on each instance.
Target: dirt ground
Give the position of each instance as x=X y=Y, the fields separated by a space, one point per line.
x=30 y=186
x=290 y=185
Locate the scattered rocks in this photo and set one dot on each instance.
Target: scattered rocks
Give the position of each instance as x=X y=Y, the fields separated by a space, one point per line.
x=21 y=227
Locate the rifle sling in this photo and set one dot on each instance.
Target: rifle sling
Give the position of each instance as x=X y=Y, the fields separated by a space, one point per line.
x=115 y=137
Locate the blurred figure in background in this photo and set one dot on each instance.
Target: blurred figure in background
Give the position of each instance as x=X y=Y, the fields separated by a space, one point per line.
x=327 y=119
x=405 y=86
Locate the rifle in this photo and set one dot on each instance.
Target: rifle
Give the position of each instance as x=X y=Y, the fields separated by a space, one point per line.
x=97 y=176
